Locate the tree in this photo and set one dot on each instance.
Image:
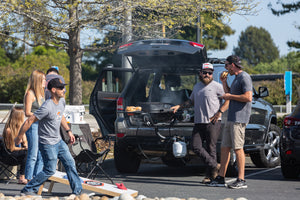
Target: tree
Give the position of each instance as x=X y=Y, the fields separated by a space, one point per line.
x=59 y=23
x=14 y=76
x=11 y=48
x=287 y=8
x=213 y=37
x=255 y=45
x=99 y=60
x=290 y=62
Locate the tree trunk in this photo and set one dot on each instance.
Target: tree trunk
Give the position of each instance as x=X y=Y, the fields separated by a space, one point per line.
x=75 y=54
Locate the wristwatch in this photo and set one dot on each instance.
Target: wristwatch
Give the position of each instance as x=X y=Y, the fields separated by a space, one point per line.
x=68 y=130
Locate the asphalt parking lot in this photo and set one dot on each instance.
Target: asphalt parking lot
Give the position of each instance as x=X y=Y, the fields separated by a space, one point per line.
x=157 y=180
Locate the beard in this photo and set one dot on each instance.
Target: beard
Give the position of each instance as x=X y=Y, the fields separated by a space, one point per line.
x=206 y=80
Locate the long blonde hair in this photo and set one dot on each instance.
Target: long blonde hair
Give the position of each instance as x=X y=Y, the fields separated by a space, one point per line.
x=14 y=123
x=35 y=84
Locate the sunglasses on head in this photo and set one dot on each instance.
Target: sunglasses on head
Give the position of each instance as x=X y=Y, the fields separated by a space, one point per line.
x=204 y=72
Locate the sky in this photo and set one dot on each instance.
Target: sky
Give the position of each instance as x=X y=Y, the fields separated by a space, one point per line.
x=281 y=28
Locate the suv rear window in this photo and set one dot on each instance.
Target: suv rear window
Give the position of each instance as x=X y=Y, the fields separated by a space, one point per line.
x=164 y=87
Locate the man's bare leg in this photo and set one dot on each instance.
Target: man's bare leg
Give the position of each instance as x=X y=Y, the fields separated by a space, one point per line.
x=240 y=159
x=225 y=157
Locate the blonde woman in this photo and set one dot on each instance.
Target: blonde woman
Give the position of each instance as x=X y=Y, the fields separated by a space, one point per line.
x=33 y=99
x=11 y=130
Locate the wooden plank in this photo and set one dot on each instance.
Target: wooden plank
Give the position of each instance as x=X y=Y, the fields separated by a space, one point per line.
x=108 y=189
x=41 y=189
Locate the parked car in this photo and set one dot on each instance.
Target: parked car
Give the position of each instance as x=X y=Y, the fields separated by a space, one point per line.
x=290 y=144
x=138 y=112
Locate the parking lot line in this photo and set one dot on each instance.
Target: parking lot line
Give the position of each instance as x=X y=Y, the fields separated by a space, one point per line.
x=253 y=174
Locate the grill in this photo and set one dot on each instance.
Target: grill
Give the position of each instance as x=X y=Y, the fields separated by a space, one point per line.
x=157 y=112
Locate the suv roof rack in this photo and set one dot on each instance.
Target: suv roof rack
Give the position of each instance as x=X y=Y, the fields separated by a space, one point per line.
x=216 y=60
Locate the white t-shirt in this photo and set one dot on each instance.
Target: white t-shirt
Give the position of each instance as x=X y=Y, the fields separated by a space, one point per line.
x=206 y=101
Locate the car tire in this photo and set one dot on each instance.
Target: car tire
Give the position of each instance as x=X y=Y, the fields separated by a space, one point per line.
x=289 y=171
x=126 y=159
x=269 y=156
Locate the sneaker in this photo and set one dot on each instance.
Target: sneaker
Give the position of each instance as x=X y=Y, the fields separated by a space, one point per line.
x=206 y=180
x=219 y=181
x=238 y=184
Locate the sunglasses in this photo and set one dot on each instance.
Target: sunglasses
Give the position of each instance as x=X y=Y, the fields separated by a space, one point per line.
x=204 y=72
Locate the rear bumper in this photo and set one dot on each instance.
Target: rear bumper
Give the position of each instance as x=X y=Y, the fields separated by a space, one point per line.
x=289 y=148
x=147 y=140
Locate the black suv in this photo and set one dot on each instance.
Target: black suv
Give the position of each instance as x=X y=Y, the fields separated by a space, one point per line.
x=137 y=111
x=290 y=144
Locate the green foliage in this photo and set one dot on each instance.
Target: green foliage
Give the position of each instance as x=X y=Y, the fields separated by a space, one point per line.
x=12 y=84
x=213 y=37
x=14 y=76
x=277 y=93
x=11 y=48
x=88 y=72
x=280 y=121
x=291 y=62
x=87 y=88
x=95 y=61
x=3 y=58
x=255 y=45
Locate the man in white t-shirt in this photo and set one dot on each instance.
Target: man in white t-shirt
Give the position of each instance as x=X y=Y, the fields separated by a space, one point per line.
x=208 y=109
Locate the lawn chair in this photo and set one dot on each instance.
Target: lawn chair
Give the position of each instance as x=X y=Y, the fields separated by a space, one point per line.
x=7 y=160
x=88 y=160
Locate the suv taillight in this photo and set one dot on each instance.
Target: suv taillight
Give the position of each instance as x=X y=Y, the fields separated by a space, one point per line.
x=120 y=104
x=194 y=44
x=291 y=121
x=120 y=135
x=125 y=45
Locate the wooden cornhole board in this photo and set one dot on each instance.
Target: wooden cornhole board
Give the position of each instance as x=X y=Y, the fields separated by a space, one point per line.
x=108 y=189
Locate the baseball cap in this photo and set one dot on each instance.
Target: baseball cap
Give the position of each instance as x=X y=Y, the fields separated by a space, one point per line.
x=235 y=60
x=55 y=83
x=55 y=67
x=207 y=66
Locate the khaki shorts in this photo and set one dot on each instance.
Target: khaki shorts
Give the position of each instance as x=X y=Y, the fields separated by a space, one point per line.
x=234 y=135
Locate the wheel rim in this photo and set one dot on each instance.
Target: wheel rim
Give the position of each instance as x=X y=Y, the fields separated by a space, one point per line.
x=272 y=146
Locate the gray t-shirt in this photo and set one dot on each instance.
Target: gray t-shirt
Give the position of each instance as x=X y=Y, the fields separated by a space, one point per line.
x=240 y=111
x=206 y=101
x=50 y=116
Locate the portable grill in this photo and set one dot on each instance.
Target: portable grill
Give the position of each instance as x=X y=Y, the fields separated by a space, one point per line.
x=157 y=112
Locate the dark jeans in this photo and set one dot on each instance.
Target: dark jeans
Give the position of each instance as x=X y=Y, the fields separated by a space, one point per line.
x=21 y=156
x=209 y=133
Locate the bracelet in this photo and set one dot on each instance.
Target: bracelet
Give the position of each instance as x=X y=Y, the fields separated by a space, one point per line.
x=67 y=131
x=220 y=111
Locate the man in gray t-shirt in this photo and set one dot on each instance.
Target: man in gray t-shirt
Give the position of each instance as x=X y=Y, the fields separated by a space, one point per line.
x=50 y=117
x=240 y=96
x=52 y=73
x=208 y=109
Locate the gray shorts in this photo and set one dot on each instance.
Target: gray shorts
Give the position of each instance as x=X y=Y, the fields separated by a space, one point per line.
x=233 y=135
